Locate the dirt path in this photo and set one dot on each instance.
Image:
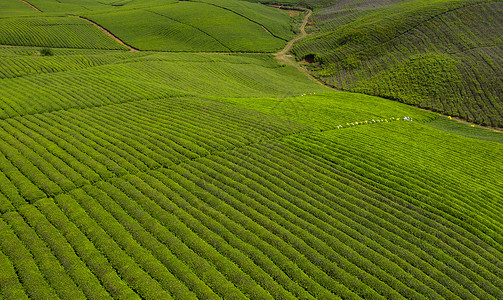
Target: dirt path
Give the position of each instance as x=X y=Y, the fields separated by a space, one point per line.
x=282 y=55
x=25 y=2
x=108 y=33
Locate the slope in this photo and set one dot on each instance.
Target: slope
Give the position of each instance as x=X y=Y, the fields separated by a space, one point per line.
x=190 y=198
x=441 y=55
x=54 y=32
x=137 y=76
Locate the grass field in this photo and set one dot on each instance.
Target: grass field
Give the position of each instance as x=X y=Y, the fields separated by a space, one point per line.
x=177 y=175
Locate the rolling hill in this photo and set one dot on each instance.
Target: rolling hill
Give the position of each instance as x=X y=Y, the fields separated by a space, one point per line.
x=185 y=174
x=440 y=55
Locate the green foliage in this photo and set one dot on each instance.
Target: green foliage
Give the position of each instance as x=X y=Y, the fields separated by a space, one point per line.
x=55 y=274
x=441 y=55
x=471 y=131
x=275 y=21
x=266 y=207
x=10 y=286
x=15 y=8
x=28 y=63
x=194 y=26
x=327 y=110
x=29 y=273
x=46 y=52
x=417 y=80
x=156 y=76
x=90 y=268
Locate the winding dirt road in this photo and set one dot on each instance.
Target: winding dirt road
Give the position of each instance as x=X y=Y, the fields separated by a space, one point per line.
x=108 y=33
x=32 y=6
x=286 y=59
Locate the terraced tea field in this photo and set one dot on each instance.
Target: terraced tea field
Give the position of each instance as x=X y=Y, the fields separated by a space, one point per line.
x=441 y=55
x=188 y=26
x=181 y=175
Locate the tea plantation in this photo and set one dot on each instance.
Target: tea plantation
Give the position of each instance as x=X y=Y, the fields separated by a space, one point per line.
x=198 y=167
x=440 y=55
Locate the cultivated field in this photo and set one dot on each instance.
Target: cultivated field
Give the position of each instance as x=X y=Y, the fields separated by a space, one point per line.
x=196 y=175
x=440 y=55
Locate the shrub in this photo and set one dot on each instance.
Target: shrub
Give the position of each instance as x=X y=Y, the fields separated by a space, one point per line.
x=46 y=52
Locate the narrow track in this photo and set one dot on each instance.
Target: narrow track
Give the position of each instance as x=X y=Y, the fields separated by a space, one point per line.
x=32 y=6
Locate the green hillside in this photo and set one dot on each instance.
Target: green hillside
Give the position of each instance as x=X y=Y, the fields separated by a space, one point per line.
x=190 y=26
x=135 y=77
x=440 y=55
x=10 y=8
x=196 y=175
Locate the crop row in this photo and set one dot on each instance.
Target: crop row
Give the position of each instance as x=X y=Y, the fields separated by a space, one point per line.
x=63 y=91
x=255 y=187
x=305 y=216
x=191 y=26
x=274 y=20
x=436 y=186
x=10 y=8
x=205 y=181
x=57 y=32
x=53 y=258
x=452 y=174
x=330 y=110
x=146 y=78
x=48 y=154
x=442 y=62
x=160 y=33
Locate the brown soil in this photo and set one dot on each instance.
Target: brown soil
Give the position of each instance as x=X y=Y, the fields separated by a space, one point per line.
x=25 y=2
x=266 y=30
x=109 y=34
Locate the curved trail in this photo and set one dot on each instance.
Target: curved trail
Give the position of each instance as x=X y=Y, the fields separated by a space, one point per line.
x=283 y=58
x=132 y=49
